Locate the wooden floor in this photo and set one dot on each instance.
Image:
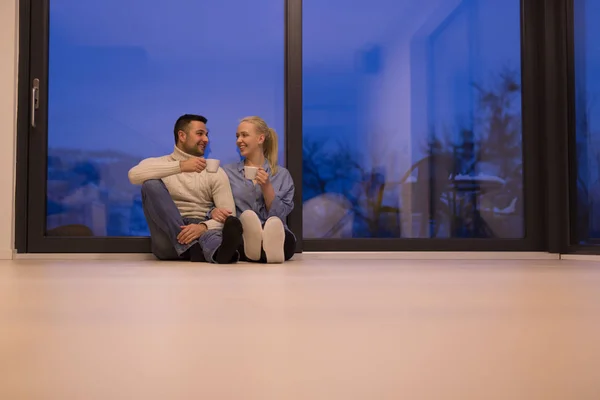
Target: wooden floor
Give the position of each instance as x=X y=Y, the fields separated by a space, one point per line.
x=311 y=329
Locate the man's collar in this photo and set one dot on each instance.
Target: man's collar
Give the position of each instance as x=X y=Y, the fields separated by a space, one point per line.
x=180 y=155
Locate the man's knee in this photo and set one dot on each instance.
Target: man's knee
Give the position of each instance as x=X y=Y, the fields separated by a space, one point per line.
x=153 y=186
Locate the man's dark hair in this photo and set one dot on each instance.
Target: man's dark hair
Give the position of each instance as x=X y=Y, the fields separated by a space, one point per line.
x=183 y=122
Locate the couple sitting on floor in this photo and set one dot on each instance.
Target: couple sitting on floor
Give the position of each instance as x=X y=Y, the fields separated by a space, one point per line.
x=191 y=211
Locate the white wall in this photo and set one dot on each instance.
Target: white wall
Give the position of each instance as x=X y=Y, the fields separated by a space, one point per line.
x=8 y=118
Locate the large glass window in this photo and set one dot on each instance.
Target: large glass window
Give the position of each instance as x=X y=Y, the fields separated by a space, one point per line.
x=122 y=71
x=587 y=96
x=412 y=119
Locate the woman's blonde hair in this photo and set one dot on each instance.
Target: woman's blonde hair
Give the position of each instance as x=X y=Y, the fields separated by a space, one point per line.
x=270 y=149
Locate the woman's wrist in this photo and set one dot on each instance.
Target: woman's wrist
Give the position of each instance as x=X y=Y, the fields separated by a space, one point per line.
x=266 y=186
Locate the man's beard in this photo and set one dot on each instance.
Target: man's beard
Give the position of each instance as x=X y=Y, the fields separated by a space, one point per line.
x=194 y=151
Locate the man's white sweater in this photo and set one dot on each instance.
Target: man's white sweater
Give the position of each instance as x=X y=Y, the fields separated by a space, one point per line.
x=194 y=193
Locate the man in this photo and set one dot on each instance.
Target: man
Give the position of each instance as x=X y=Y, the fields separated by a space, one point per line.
x=177 y=193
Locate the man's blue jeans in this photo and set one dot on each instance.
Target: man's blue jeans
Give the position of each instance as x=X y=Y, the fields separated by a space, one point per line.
x=165 y=222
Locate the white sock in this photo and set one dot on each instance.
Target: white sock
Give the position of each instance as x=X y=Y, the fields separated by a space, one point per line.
x=273 y=240
x=252 y=234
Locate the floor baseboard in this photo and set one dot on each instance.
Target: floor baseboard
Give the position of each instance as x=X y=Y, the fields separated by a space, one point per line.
x=420 y=255
x=86 y=256
x=431 y=255
x=580 y=257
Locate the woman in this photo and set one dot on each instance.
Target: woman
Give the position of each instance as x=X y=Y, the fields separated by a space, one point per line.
x=263 y=203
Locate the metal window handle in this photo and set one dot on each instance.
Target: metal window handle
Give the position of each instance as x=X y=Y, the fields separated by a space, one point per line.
x=35 y=100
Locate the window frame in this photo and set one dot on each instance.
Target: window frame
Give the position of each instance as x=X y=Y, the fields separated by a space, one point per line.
x=545 y=75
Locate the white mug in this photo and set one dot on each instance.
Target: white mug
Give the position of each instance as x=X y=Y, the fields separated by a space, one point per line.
x=212 y=165
x=250 y=172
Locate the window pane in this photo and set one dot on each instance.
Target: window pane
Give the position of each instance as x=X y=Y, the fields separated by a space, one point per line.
x=587 y=90
x=412 y=119
x=122 y=71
